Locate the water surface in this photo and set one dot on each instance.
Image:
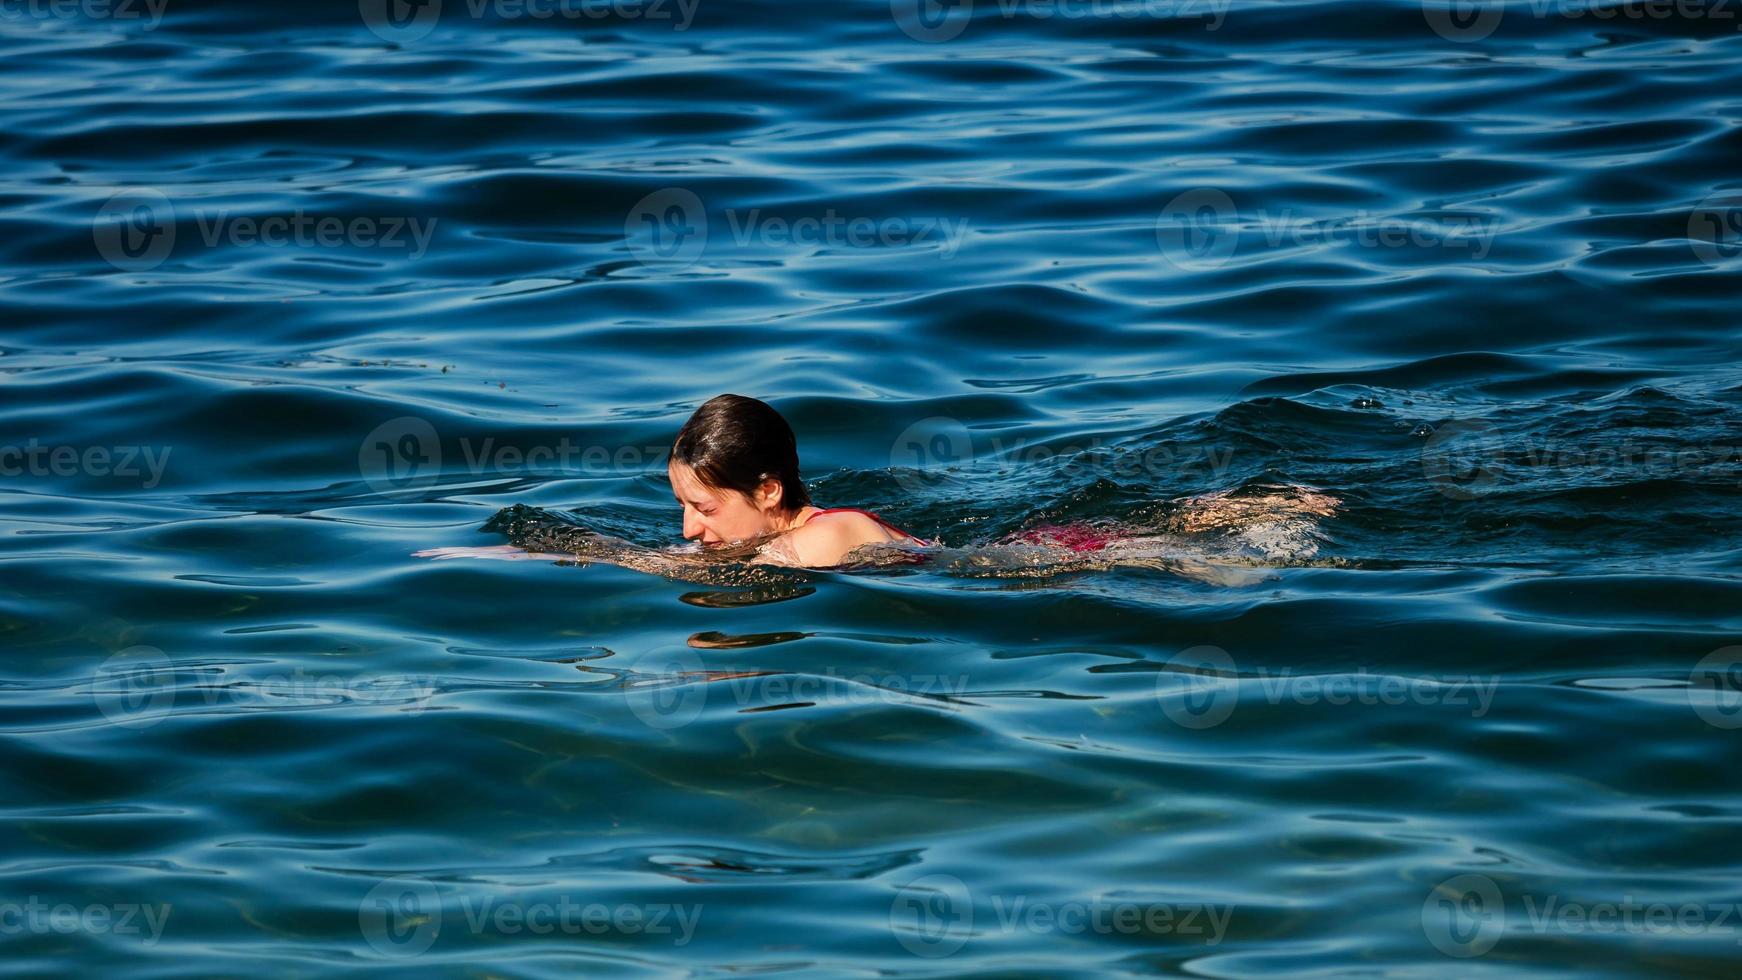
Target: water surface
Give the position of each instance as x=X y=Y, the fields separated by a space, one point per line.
x=294 y=293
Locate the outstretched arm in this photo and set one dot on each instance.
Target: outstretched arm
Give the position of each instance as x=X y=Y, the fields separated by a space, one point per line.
x=499 y=552
x=538 y=535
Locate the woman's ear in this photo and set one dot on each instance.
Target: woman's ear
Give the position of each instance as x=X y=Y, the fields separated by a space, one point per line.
x=770 y=494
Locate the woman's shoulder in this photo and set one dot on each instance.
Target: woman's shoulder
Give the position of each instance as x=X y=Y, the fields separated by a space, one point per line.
x=828 y=536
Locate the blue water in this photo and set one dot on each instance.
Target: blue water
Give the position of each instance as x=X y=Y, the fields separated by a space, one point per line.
x=293 y=291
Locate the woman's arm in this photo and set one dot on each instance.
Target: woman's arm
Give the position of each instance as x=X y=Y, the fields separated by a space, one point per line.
x=539 y=535
x=499 y=552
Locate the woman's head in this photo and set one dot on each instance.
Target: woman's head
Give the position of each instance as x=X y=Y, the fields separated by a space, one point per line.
x=734 y=468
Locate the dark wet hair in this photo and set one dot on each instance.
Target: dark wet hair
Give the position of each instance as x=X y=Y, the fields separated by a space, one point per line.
x=734 y=443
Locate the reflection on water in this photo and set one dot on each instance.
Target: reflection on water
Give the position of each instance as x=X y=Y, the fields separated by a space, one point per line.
x=715 y=640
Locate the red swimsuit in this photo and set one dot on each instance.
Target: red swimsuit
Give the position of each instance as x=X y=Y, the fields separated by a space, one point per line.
x=1077 y=537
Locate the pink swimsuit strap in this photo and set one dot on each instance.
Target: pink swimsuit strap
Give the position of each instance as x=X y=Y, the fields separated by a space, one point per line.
x=879 y=520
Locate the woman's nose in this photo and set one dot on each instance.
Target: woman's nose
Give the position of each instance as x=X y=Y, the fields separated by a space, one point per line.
x=692 y=528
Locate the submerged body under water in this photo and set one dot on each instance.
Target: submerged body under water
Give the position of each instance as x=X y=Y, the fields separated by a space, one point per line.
x=1223 y=536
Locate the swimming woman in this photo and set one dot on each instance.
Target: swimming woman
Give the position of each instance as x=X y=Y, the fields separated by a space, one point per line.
x=734 y=471
x=735 y=474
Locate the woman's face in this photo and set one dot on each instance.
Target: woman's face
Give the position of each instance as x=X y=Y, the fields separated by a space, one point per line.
x=721 y=516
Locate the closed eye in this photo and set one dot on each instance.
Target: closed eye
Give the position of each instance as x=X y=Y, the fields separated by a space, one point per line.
x=698 y=508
